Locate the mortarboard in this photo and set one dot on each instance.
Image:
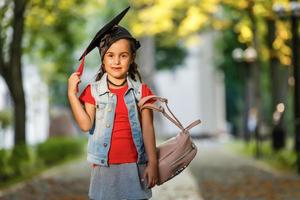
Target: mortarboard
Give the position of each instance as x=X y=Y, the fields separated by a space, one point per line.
x=107 y=35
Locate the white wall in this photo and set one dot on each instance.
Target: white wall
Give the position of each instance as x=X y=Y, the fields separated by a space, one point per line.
x=37 y=108
x=37 y=102
x=195 y=90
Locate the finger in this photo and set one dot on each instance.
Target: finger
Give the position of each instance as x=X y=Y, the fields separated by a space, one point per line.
x=75 y=83
x=150 y=183
x=153 y=182
x=78 y=80
x=74 y=74
x=144 y=176
x=77 y=74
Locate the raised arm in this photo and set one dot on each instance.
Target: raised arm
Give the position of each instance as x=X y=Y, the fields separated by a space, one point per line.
x=84 y=115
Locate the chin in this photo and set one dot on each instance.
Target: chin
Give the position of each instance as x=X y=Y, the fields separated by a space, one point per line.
x=118 y=75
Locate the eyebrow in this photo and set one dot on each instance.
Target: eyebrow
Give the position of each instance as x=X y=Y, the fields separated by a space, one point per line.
x=120 y=53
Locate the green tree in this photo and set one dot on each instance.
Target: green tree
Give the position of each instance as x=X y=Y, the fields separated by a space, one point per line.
x=47 y=29
x=53 y=32
x=10 y=60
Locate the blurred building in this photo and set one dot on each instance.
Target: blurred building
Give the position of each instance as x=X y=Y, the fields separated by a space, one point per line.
x=37 y=108
x=195 y=90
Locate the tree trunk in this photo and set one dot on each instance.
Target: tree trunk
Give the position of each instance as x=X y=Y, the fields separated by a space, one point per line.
x=249 y=95
x=256 y=72
x=12 y=73
x=279 y=88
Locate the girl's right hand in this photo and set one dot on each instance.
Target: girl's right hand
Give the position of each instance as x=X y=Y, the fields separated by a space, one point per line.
x=73 y=82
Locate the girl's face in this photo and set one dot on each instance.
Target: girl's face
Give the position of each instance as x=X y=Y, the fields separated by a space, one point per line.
x=117 y=59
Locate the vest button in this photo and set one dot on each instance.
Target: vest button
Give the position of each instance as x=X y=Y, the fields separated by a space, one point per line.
x=109 y=109
x=107 y=125
x=102 y=161
x=105 y=145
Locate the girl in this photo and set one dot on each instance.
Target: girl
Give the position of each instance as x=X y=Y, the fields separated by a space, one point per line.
x=121 y=142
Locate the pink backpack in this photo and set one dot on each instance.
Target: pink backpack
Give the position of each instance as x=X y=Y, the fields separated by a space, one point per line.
x=175 y=154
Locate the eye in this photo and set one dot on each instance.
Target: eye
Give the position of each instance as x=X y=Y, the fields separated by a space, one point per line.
x=124 y=56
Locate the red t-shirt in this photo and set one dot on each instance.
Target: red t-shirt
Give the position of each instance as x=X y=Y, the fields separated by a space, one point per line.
x=122 y=148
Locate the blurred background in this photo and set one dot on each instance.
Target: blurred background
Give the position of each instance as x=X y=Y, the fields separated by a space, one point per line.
x=233 y=64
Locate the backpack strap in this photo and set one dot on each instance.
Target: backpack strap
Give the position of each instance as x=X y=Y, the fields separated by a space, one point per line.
x=143 y=104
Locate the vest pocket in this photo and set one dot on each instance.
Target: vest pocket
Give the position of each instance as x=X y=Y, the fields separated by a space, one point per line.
x=100 y=110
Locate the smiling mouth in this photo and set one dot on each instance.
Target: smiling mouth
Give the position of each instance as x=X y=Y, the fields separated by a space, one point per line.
x=117 y=68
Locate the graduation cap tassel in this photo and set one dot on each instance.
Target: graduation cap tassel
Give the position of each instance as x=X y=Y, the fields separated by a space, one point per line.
x=81 y=66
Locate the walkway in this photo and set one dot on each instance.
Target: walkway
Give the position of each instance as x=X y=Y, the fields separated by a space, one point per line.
x=224 y=175
x=70 y=182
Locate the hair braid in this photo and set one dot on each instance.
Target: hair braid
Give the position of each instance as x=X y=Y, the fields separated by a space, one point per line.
x=100 y=73
x=133 y=72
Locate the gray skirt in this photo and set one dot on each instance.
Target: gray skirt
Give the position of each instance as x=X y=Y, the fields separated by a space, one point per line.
x=118 y=182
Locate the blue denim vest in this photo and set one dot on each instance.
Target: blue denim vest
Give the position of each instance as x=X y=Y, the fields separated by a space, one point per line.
x=101 y=132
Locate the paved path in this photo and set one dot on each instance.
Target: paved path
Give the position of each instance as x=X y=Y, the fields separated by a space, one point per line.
x=182 y=187
x=223 y=175
x=70 y=182
x=216 y=173
x=64 y=182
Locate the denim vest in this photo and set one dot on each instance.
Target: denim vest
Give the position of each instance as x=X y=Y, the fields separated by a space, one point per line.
x=101 y=133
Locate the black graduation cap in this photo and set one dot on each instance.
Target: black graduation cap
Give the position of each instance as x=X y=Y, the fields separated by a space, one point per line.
x=99 y=35
x=108 y=34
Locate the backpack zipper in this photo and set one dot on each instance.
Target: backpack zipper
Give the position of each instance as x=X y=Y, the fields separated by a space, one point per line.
x=186 y=153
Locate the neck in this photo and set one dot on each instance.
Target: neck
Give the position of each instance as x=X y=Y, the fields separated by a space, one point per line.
x=118 y=83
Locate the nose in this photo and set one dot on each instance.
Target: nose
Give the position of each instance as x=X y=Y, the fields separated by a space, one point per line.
x=117 y=60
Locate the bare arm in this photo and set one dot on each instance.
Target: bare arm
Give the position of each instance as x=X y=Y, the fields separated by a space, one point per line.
x=149 y=135
x=150 y=145
x=84 y=115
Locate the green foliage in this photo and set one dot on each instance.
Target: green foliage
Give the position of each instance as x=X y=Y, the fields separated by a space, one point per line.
x=5 y=170
x=25 y=161
x=52 y=33
x=5 y=118
x=168 y=55
x=58 y=149
x=21 y=160
x=284 y=159
x=289 y=115
x=234 y=77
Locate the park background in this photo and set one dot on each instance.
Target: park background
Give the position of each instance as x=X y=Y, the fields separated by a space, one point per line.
x=232 y=64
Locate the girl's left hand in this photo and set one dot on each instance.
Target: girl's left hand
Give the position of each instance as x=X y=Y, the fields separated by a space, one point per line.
x=151 y=174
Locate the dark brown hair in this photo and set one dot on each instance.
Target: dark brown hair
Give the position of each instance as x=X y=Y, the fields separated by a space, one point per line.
x=133 y=68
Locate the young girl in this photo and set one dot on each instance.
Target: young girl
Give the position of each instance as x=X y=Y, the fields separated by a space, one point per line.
x=121 y=143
